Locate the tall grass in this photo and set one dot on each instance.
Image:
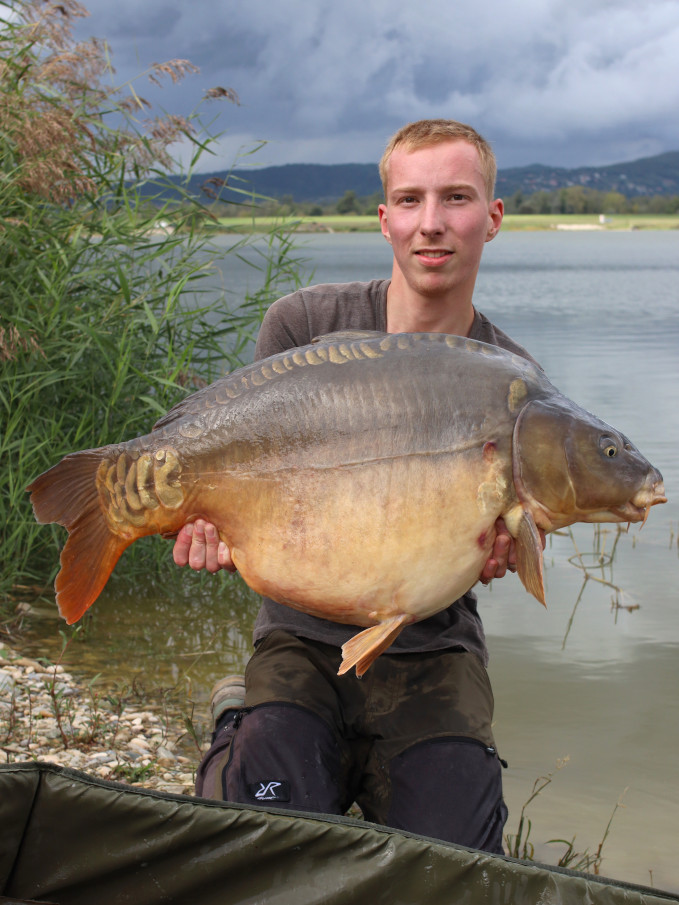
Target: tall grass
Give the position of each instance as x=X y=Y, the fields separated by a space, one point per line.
x=108 y=315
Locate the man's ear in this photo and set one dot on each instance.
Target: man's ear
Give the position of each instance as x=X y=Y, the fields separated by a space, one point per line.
x=384 y=226
x=496 y=211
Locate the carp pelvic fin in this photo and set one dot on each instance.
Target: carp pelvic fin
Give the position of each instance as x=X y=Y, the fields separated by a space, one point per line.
x=67 y=494
x=529 y=562
x=364 y=648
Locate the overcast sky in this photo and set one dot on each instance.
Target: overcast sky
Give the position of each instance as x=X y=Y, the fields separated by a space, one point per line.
x=560 y=82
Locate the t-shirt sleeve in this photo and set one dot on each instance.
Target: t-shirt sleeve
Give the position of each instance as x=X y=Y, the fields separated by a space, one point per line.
x=285 y=326
x=297 y=319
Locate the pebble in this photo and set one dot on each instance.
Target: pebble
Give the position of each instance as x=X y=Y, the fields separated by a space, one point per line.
x=137 y=746
x=165 y=757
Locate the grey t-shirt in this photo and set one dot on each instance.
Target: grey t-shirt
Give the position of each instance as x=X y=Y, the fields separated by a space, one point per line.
x=295 y=320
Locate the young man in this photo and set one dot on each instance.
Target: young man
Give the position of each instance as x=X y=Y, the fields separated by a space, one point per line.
x=410 y=741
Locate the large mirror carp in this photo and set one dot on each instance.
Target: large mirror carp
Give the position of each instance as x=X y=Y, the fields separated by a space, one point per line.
x=357 y=479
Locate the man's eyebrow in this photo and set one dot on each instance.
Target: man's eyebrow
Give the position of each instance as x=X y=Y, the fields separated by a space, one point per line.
x=450 y=187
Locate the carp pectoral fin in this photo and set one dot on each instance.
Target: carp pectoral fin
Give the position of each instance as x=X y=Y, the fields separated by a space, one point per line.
x=363 y=649
x=529 y=562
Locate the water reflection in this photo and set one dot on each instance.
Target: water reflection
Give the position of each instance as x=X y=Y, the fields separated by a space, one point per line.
x=182 y=632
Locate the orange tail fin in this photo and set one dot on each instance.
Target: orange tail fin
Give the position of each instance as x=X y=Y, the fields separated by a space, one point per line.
x=67 y=494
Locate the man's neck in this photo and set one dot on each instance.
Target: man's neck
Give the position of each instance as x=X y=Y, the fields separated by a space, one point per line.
x=423 y=314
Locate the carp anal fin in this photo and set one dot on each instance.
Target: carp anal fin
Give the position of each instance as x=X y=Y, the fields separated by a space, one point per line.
x=364 y=648
x=529 y=563
x=67 y=494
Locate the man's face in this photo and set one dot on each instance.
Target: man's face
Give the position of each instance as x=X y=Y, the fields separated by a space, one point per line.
x=437 y=217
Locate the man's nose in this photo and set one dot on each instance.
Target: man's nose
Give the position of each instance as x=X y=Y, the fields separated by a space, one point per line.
x=431 y=221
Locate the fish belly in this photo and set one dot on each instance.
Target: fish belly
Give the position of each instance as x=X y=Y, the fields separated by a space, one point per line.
x=364 y=542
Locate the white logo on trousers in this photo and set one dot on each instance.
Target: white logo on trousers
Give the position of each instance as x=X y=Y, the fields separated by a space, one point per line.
x=268 y=791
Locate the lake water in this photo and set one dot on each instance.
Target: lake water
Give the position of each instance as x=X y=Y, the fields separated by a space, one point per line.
x=592 y=681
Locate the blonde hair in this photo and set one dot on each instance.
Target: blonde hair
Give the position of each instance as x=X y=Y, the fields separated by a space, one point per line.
x=426 y=132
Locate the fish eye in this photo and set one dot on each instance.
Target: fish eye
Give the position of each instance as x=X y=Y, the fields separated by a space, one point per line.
x=608 y=447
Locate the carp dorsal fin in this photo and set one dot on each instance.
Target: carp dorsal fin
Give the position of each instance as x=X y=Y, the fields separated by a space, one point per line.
x=364 y=648
x=529 y=564
x=347 y=336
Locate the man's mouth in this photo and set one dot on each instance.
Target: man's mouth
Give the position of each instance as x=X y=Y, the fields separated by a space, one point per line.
x=433 y=254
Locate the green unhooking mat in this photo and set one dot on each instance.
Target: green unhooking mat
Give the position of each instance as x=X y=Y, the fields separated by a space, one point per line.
x=70 y=839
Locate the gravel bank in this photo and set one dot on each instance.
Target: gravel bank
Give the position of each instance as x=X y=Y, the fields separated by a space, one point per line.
x=48 y=715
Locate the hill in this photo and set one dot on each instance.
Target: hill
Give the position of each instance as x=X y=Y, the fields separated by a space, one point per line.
x=326 y=183
x=648 y=176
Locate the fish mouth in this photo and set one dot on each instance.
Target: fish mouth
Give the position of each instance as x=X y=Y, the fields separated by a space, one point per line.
x=637 y=509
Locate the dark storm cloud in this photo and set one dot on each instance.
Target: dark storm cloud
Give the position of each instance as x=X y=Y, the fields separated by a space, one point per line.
x=152 y=20
x=563 y=82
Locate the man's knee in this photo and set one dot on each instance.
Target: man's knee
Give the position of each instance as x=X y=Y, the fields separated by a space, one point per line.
x=278 y=755
x=449 y=788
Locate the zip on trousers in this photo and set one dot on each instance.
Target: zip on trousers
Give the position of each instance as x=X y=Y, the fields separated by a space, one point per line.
x=490 y=750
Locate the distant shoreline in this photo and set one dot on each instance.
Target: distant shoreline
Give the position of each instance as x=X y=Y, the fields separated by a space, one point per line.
x=513 y=222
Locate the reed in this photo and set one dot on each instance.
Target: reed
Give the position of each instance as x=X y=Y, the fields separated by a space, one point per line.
x=520 y=845
x=105 y=318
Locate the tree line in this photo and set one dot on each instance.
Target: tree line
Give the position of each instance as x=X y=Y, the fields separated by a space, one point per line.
x=574 y=199
x=578 y=199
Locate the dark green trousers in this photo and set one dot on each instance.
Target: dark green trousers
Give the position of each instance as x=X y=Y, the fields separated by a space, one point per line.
x=410 y=741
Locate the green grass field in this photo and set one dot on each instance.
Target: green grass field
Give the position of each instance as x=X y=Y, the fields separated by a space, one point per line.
x=369 y=223
x=589 y=221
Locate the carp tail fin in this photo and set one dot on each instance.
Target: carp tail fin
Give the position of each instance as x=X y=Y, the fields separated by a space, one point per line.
x=529 y=563
x=364 y=648
x=67 y=495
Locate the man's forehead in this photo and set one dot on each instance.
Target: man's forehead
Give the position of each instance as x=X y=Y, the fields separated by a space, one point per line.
x=454 y=161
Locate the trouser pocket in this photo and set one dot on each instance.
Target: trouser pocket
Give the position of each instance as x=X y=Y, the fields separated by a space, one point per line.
x=211 y=767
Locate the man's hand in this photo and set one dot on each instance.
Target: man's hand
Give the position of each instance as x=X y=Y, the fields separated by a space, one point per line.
x=503 y=555
x=198 y=546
